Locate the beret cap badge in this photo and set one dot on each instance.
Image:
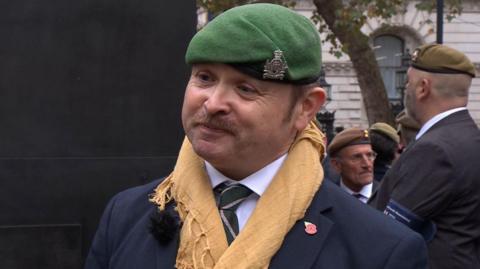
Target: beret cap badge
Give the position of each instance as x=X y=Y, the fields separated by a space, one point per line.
x=276 y=67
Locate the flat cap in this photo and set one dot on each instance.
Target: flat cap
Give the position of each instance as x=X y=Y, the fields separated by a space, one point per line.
x=435 y=58
x=385 y=129
x=265 y=41
x=405 y=121
x=348 y=137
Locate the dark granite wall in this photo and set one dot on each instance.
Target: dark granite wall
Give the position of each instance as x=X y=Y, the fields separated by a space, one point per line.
x=90 y=101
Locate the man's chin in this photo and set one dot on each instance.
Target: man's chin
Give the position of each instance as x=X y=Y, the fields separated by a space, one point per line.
x=367 y=178
x=207 y=151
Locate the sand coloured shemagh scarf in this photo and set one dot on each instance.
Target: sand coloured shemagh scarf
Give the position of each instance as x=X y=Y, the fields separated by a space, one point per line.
x=203 y=242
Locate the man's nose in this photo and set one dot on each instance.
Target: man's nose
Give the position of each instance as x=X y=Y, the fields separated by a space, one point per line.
x=367 y=161
x=218 y=100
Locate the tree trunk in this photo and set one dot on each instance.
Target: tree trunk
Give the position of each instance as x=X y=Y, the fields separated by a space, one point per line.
x=364 y=62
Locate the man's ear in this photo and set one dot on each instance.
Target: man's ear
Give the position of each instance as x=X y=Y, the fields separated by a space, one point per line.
x=310 y=105
x=425 y=89
x=335 y=164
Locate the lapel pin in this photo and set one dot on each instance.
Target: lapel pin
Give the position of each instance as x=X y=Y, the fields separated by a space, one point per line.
x=310 y=228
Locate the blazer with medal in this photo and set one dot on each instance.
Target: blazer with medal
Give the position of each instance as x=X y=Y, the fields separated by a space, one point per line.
x=348 y=235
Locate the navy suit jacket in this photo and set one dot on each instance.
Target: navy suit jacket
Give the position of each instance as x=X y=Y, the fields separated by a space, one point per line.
x=350 y=235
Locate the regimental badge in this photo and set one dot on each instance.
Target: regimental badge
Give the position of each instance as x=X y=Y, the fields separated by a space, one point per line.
x=275 y=68
x=415 y=55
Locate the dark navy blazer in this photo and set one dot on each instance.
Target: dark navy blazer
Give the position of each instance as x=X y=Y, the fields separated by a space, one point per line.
x=350 y=235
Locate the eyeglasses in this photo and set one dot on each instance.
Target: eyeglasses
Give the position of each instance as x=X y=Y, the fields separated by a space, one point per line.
x=358 y=157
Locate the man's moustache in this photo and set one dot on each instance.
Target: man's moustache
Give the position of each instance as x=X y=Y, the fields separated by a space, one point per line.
x=215 y=122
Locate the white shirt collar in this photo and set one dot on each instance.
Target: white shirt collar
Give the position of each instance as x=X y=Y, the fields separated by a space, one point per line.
x=436 y=119
x=366 y=191
x=257 y=182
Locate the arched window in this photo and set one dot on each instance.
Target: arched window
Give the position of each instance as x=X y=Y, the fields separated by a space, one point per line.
x=389 y=51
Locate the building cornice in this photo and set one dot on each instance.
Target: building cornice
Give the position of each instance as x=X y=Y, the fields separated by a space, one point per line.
x=334 y=67
x=338 y=66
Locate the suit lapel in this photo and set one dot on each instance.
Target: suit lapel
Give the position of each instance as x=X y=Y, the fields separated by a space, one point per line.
x=374 y=185
x=300 y=249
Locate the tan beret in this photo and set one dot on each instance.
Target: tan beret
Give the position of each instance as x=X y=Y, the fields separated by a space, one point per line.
x=348 y=137
x=435 y=58
x=385 y=129
x=405 y=121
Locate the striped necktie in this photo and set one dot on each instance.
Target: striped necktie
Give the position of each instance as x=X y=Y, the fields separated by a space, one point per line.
x=360 y=197
x=231 y=196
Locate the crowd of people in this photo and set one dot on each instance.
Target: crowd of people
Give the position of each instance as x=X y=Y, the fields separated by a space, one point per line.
x=248 y=189
x=423 y=174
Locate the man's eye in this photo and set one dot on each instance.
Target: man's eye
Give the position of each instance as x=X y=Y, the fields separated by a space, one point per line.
x=204 y=77
x=246 y=89
x=357 y=157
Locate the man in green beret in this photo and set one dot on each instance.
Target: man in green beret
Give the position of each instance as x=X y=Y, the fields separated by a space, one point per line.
x=247 y=190
x=351 y=155
x=434 y=187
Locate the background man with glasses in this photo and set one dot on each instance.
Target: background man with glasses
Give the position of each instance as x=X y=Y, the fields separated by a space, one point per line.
x=352 y=157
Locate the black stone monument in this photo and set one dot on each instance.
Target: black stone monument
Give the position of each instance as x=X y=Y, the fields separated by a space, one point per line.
x=90 y=102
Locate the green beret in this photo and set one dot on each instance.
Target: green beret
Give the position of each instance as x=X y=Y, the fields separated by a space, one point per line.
x=265 y=41
x=405 y=121
x=385 y=129
x=348 y=137
x=435 y=58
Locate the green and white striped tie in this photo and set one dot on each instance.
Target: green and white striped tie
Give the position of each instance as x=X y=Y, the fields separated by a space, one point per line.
x=231 y=196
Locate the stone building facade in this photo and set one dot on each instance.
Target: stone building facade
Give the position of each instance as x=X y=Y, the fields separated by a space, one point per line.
x=407 y=31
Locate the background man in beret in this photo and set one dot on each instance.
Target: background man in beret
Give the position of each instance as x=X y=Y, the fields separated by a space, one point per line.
x=407 y=129
x=384 y=139
x=351 y=155
x=434 y=187
x=247 y=190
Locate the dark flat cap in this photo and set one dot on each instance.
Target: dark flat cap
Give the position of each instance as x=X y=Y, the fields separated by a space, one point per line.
x=435 y=58
x=348 y=137
x=385 y=129
x=265 y=41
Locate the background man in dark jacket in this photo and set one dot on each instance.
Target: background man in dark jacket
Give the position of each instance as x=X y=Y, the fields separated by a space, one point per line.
x=434 y=187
